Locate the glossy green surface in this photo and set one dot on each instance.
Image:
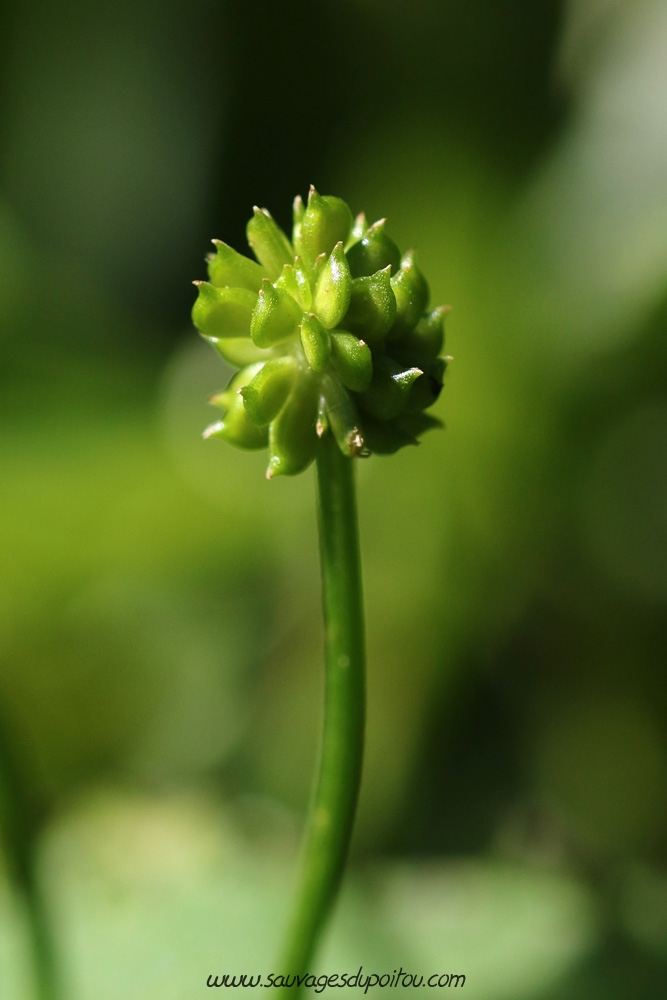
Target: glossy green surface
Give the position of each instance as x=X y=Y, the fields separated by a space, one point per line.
x=334 y=802
x=342 y=305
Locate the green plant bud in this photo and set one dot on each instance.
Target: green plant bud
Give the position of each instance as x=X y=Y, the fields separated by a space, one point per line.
x=385 y=437
x=225 y=398
x=293 y=280
x=325 y=329
x=389 y=390
x=373 y=252
x=372 y=309
x=333 y=288
x=426 y=389
x=428 y=337
x=318 y=267
x=267 y=393
x=411 y=292
x=288 y=283
x=341 y=417
x=244 y=377
x=352 y=360
x=326 y=221
x=239 y=351
x=293 y=434
x=316 y=342
x=303 y=282
x=235 y=426
x=275 y=317
x=269 y=243
x=227 y=268
x=223 y=312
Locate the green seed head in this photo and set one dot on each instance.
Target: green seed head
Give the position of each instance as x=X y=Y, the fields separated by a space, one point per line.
x=373 y=251
x=331 y=335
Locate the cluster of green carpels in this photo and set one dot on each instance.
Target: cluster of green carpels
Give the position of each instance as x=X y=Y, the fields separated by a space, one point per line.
x=330 y=333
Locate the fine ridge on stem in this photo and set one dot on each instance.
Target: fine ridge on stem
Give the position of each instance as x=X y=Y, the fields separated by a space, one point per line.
x=333 y=807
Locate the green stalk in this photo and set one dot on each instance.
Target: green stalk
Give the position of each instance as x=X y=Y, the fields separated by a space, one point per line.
x=19 y=826
x=44 y=965
x=332 y=811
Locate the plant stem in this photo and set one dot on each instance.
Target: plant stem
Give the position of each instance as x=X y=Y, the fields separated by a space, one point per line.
x=44 y=966
x=19 y=826
x=332 y=811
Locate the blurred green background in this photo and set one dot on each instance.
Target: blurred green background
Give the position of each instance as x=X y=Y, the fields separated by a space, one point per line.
x=160 y=636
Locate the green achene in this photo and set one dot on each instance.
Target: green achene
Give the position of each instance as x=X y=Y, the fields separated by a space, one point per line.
x=351 y=313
